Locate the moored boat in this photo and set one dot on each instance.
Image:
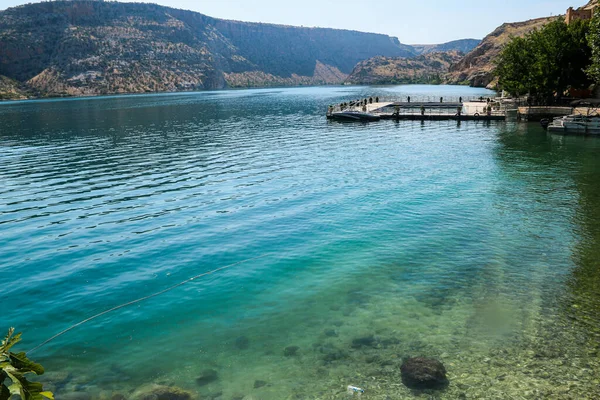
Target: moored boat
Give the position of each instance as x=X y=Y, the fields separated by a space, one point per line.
x=576 y=124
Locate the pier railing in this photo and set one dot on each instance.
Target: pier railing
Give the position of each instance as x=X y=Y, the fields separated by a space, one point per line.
x=426 y=106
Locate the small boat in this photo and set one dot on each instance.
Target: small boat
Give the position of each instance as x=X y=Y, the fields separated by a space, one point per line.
x=353 y=116
x=578 y=124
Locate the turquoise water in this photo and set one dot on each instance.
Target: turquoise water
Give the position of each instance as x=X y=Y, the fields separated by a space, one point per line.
x=473 y=243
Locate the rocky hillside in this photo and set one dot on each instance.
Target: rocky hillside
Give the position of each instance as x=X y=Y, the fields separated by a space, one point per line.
x=427 y=68
x=477 y=67
x=463 y=45
x=11 y=89
x=94 y=47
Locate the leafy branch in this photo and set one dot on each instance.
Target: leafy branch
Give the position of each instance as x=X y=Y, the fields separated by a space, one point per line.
x=14 y=367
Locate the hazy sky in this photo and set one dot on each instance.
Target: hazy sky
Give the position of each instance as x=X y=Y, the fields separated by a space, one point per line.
x=412 y=21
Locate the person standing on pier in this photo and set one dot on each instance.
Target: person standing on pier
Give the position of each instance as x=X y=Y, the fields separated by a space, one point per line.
x=409 y=99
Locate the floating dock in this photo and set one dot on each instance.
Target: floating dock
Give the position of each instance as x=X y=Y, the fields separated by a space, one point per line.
x=424 y=110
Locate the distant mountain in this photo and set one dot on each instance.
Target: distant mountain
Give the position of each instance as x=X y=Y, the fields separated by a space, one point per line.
x=463 y=45
x=477 y=67
x=426 y=68
x=94 y=47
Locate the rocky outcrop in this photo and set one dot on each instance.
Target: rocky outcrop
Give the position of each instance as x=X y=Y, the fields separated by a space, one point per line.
x=65 y=48
x=428 y=68
x=477 y=67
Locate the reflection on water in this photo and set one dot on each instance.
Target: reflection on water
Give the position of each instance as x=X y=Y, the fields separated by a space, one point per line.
x=472 y=243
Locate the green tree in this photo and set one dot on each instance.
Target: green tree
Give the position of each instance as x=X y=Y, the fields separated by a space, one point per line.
x=546 y=62
x=593 y=39
x=515 y=67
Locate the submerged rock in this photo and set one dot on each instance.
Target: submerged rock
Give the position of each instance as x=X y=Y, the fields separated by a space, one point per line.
x=207 y=376
x=423 y=373
x=367 y=341
x=259 y=384
x=390 y=342
x=331 y=353
x=291 y=351
x=242 y=343
x=78 y=396
x=57 y=377
x=159 y=392
x=358 y=298
x=213 y=396
x=330 y=333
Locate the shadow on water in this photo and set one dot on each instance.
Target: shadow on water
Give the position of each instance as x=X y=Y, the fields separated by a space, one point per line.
x=569 y=164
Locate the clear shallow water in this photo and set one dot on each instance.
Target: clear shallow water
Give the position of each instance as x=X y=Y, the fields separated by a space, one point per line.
x=474 y=243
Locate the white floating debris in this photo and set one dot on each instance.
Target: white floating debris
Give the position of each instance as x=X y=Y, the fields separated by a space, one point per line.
x=354 y=389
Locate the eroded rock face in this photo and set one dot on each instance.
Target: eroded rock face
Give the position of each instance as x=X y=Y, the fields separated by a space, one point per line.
x=424 y=373
x=160 y=392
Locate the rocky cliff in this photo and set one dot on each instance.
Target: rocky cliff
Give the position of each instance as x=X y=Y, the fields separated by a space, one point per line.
x=427 y=68
x=477 y=67
x=94 y=47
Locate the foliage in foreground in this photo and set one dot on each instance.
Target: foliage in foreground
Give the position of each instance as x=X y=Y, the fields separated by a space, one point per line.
x=546 y=62
x=14 y=367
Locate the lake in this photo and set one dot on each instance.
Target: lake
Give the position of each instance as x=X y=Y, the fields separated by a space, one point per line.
x=348 y=247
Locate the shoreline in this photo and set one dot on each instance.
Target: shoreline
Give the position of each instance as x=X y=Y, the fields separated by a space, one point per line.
x=133 y=94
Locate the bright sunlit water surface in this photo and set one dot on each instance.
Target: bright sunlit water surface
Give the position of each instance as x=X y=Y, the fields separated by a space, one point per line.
x=363 y=244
